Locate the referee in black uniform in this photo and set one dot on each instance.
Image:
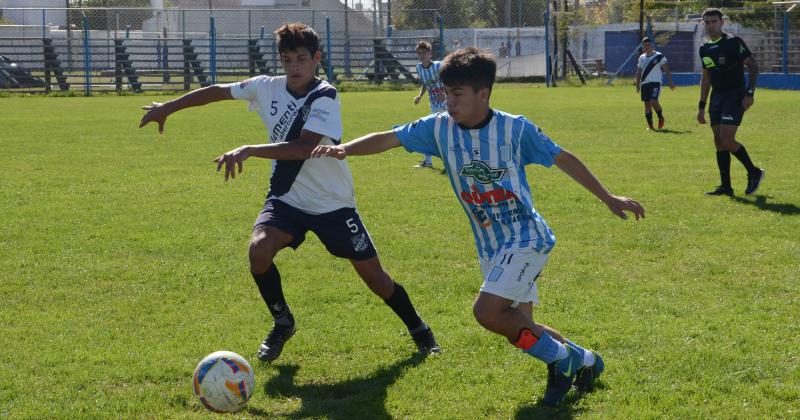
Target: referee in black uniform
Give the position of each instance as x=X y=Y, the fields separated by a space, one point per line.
x=724 y=57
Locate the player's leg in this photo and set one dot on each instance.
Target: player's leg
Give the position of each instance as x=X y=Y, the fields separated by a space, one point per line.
x=593 y=364
x=271 y=233
x=657 y=108
x=733 y=113
x=510 y=281
x=723 y=161
x=344 y=235
x=648 y=107
x=396 y=297
x=427 y=161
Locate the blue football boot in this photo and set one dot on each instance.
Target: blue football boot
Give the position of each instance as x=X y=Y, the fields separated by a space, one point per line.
x=560 y=376
x=584 y=380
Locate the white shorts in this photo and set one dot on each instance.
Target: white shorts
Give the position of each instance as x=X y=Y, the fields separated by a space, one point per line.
x=512 y=275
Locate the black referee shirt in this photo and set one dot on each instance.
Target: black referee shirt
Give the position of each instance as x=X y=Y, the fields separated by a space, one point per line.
x=723 y=59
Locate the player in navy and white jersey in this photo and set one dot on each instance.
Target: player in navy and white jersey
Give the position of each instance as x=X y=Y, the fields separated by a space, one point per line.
x=724 y=58
x=300 y=112
x=485 y=152
x=428 y=72
x=649 y=72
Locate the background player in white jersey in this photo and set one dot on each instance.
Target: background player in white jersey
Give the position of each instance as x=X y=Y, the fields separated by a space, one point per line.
x=428 y=72
x=485 y=152
x=300 y=112
x=648 y=81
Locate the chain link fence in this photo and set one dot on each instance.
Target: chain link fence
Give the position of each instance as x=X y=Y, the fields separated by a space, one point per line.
x=607 y=44
x=183 y=44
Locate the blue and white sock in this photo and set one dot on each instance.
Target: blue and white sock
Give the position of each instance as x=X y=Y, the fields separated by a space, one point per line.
x=547 y=349
x=588 y=355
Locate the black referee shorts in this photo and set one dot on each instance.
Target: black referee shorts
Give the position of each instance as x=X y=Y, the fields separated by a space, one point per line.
x=725 y=107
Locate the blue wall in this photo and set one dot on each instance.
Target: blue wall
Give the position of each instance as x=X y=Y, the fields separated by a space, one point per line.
x=765 y=80
x=679 y=50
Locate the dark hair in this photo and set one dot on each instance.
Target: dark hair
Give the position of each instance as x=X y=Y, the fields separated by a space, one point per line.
x=646 y=39
x=423 y=45
x=292 y=36
x=469 y=66
x=713 y=11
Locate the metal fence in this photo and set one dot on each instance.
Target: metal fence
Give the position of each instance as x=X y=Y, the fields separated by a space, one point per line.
x=179 y=48
x=607 y=46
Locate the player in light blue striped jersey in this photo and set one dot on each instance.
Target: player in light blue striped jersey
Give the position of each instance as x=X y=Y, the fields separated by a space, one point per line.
x=485 y=152
x=428 y=72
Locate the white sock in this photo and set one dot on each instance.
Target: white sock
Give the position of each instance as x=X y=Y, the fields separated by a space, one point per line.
x=562 y=352
x=588 y=358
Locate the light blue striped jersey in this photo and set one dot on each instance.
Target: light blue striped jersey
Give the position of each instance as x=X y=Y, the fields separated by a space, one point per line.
x=486 y=166
x=429 y=77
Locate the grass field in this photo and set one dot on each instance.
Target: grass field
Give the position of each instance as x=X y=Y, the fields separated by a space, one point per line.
x=123 y=262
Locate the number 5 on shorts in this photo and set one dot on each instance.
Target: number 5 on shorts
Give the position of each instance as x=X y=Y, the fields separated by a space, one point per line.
x=353 y=227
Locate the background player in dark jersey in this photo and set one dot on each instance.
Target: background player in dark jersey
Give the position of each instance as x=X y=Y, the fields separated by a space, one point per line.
x=300 y=112
x=724 y=57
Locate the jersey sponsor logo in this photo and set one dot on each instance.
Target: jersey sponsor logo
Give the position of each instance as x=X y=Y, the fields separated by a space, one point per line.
x=721 y=60
x=481 y=216
x=482 y=172
x=496 y=196
x=284 y=123
x=360 y=242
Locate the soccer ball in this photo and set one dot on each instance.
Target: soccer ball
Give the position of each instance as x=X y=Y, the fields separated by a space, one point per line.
x=223 y=382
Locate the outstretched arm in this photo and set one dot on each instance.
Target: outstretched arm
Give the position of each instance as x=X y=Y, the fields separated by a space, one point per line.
x=573 y=167
x=298 y=149
x=367 y=145
x=158 y=112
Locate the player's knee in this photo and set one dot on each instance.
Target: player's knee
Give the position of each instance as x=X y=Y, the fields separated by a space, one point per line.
x=483 y=313
x=261 y=252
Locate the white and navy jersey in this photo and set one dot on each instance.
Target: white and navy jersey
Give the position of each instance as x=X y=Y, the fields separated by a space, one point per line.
x=429 y=77
x=651 y=67
x=486 y=166
x=315 y=185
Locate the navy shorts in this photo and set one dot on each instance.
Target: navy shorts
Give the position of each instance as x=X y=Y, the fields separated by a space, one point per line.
x=725 y=107
x=341 y=231
x=650 y=91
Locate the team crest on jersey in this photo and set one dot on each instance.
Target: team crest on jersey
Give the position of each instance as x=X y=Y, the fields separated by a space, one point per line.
x=305 y=111
x=721 y=60
x=360 y=242
x=482 y=172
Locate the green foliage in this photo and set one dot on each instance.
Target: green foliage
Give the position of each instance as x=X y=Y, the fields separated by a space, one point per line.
x=468 y=13
x=123 y=261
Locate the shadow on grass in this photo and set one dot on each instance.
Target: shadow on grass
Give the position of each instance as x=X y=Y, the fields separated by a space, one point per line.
x=761 y=202
x=668 y=131
x=566 y=410
x=352 y=399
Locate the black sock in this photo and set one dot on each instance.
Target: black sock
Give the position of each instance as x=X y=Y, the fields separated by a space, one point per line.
x=649 y=117
x=269 y=285
x=660 y=115
x=724 y=164
x=743 y=157
x=402 y=306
